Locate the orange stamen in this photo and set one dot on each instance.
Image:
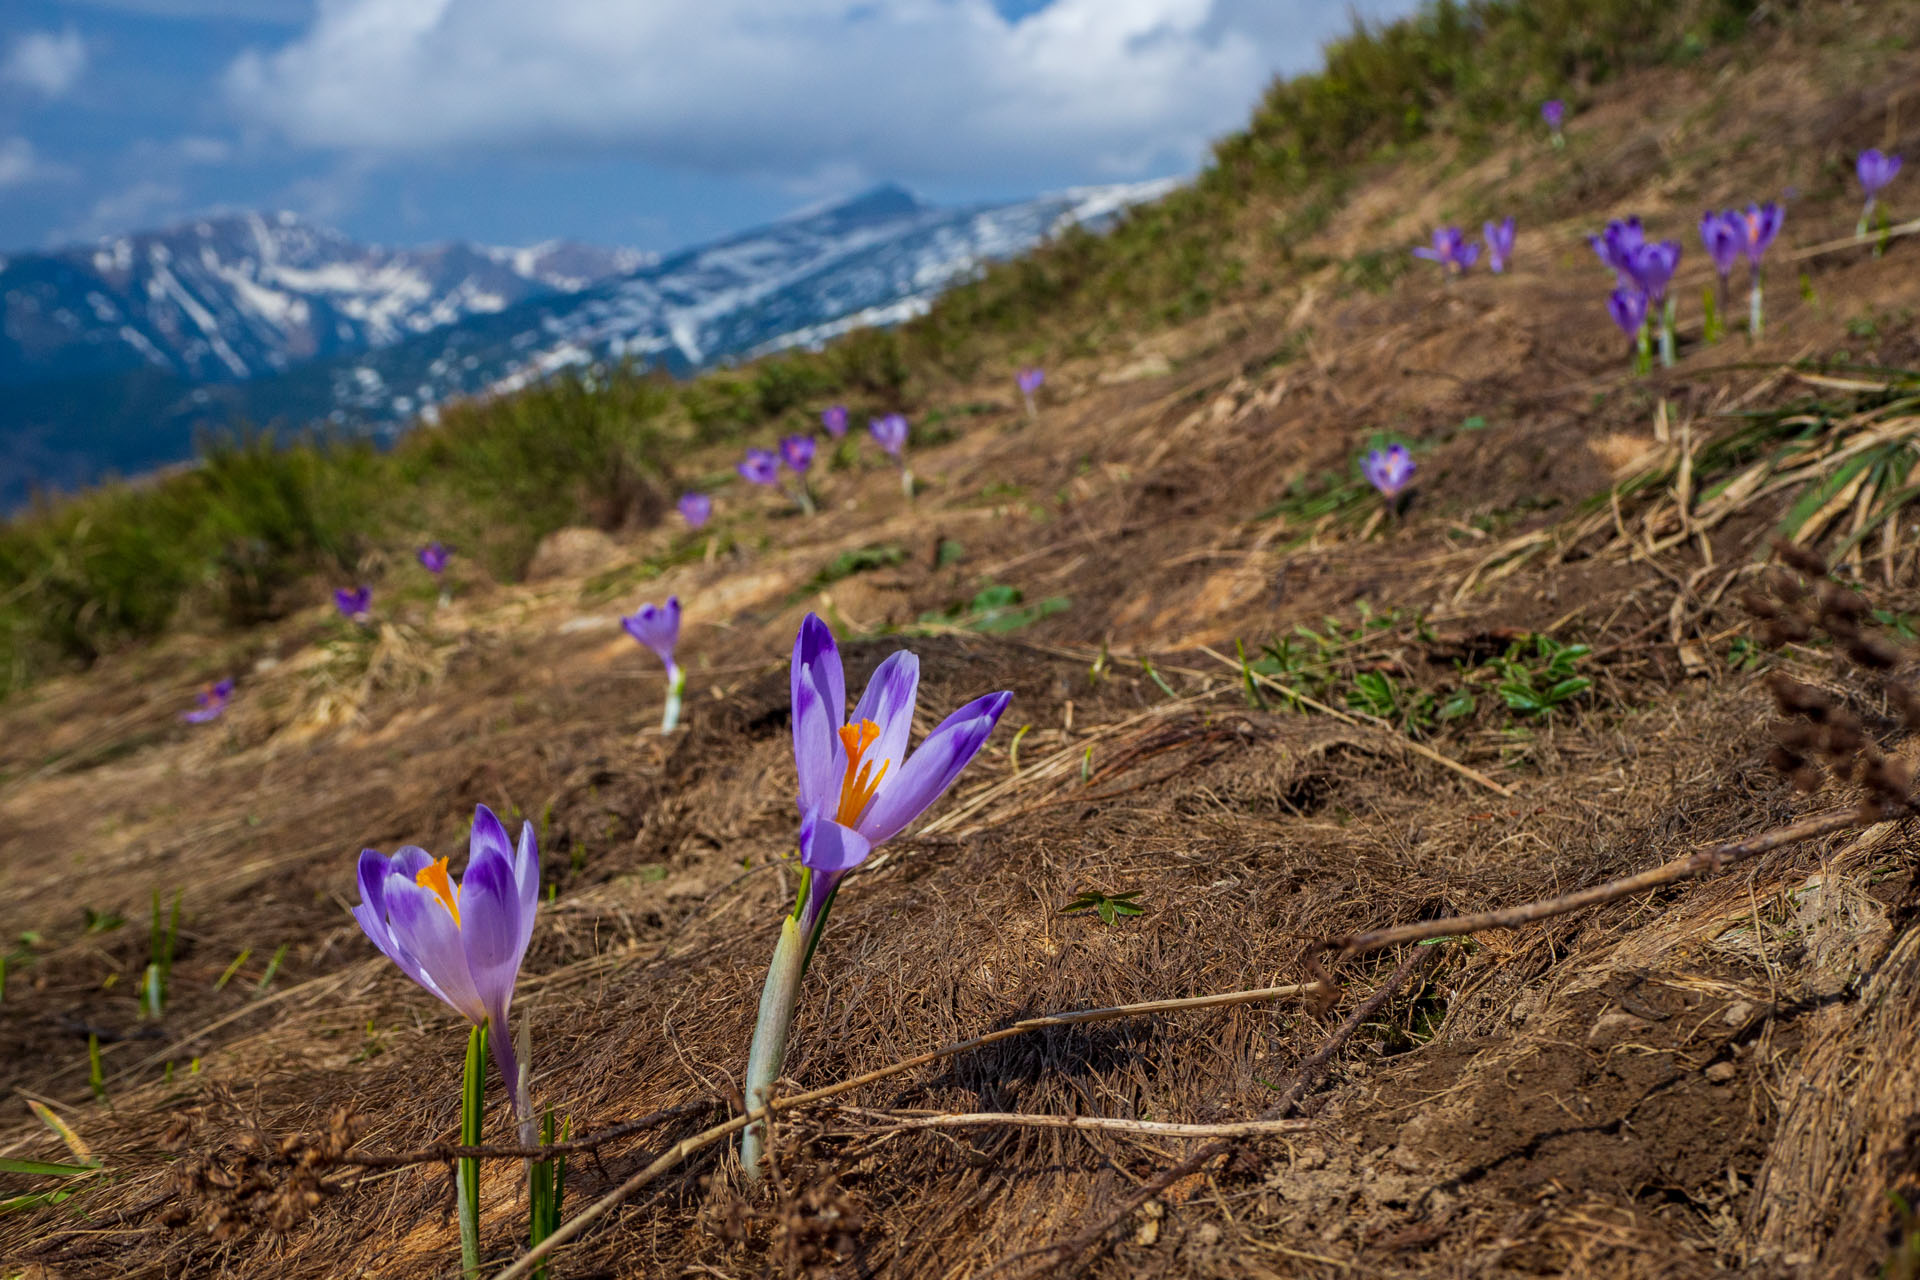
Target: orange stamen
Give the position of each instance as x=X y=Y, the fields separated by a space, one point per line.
x=434 y=879
x=857 y=788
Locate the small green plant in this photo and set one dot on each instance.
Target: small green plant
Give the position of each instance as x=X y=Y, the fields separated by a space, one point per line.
x=102 y=921
x=84 y=1164
x=995 y=610
x=153 y=984
x=1108 y=906
x=273 y=968
x=858 y=560
x=1538 y=677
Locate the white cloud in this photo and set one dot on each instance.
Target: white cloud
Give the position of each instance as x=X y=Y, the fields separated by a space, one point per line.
x=791 y=90
x=139 y=205
x=45 y=62
x=20 y=164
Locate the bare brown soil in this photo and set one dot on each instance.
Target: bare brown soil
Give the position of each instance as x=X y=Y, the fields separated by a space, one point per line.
x=1715 y=1077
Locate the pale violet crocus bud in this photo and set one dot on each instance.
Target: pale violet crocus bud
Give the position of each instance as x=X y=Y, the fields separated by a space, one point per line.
x=1628 y=307
x=859 y=787
x=1875 y=169
x=834 y=419
x=210 y=703
x=1554 y=112
x=658 y=628
x=695 y=508
x=1722 y=235
x=1389 y=470
x=355 y=605
x=760 y=466
x=1499 y=237
x=890 y=433
x=463 y=941
x=1652 y=267
x=1029 y=381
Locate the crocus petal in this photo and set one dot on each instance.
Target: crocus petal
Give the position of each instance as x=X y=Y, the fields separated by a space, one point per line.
x=827 y=848
x=425 y=930
x=888 y=702
x=928 y=773
x=490 y=929
x=526 y=872
x=819 y=690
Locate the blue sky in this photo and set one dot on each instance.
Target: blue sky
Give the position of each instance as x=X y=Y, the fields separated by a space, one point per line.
x=650 y=123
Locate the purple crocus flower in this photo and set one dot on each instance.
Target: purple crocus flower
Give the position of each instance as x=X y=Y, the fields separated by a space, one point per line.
x=695 y=509
x=1389 y=470
x=462 y=941
x=1029 y=380
x=797 y=453
x=1653 y=266
x=834 y=419
x=210 y=703
x=1628 y=307
x=1499 y=244
x=1554 y=112
x=1762 y=224
x=355 y=604
x=1617 y=246
x=434 y=557
x=1724 y=235
x=859 y=787
x=657 y=627
x=760 y=466
x=1875 y=169
x=890 y=432
x=1451 y=249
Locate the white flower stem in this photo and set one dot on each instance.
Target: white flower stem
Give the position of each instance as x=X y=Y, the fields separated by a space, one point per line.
x=676 y=688
x=906 y=480
x=1754 y=313
x=769 y=1050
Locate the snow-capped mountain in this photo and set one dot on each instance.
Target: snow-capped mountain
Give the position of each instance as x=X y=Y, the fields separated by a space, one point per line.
x=112 y=357
x=244 y=295
x=878 y=258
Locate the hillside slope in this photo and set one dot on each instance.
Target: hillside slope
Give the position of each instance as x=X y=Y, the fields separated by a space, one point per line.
x=1698 y=1077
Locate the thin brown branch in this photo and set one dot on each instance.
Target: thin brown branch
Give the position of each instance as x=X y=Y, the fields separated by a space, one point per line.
x=1702 y=863
x=720 y=1132
x=901 y=1122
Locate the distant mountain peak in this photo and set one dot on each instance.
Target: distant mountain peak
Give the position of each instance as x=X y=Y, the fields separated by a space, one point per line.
x=880 y=203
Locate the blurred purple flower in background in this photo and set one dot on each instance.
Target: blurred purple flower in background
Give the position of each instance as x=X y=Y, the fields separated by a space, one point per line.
x=760 y=466
x=1762 y=223
x=834 y=419
x=695 y=509
x=890 y=432
x=1875 y=169
x=1451 y=249
x=353 y=605
x=1029 y=380
x=434 y=557
x=210 y=702
x=1499 y=244
x=1554 y=112
x=1628 y=307
x=1724 y=235
x=1389 y=470
x=797 y=453
x=1617 y=246
x=658 y=627
x=1653 y=266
